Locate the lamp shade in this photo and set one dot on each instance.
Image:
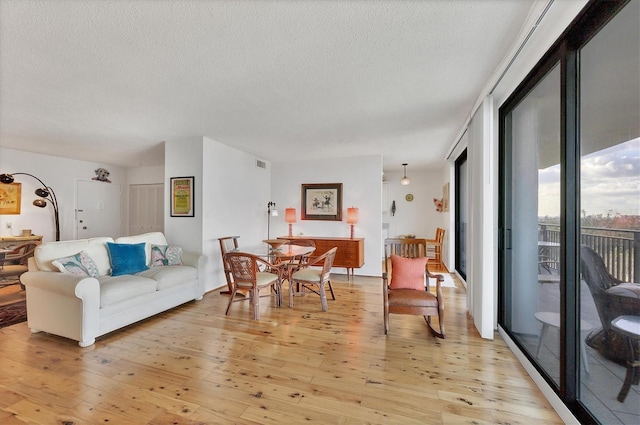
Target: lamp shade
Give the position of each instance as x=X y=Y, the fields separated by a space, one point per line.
x=290 y=215
x=352 y=215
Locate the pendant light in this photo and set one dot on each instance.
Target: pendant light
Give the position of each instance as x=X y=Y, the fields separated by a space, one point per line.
x=405 y=180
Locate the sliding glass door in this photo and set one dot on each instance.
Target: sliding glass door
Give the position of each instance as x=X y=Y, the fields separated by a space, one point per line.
x=462 y=213
x=569 y=205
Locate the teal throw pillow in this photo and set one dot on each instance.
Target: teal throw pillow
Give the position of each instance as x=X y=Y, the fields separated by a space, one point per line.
x=127 y=258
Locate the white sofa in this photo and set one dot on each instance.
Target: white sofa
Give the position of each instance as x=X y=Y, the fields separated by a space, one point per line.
x=83 y=308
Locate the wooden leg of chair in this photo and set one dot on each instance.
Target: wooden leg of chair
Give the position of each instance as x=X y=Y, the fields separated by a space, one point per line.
x=291 y=286
x=333 y=297
x=436 y=333
x=256 y=304
x=233 y=294
x=323 y=297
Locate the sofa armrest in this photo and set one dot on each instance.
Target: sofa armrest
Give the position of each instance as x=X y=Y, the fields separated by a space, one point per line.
x=63 y=283
x=195 y=259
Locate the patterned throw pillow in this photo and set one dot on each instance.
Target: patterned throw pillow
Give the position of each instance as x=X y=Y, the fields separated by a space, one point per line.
x=408 y=273
x=166 y=255
x=80 y=264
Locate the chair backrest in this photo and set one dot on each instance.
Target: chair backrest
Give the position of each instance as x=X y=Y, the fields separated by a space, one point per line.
x=440 y=235
x=228 y=244
x=21 y=254
x=243 y=267
x=329 y=256
x=595 y=272
x=409 y=248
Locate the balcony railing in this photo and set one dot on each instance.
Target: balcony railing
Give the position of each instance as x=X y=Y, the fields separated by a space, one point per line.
x=617 y=247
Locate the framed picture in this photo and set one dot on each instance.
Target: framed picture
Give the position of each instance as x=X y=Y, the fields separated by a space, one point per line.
x=182 y=196
x=322 y=201
x=10 y=195
x=445 y=198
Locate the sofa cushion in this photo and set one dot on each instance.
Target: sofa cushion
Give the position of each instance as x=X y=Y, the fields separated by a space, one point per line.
x=96 y=248
x=127 y=258
x=169 y=276
x=166 y=255
x=151 y=238
x=80 y=264
x=114 y=289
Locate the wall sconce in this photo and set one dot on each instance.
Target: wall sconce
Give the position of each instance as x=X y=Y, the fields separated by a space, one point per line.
x=45 y=194
x=405 y=180
x=352 y=218
x=393 y=208
x=290 y=217
x=270 y=212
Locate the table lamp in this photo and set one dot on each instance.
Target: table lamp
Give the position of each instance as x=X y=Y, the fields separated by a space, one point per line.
x=290 y=217
x=352 y=218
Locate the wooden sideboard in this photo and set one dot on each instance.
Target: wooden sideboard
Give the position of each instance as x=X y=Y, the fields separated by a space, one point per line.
x=350 y=253
x=11 y=241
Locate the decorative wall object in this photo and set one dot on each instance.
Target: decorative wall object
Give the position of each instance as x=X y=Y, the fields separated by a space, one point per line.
x=182 y=196
x=102 y=175
x=438 y=203
x=322 y=201
x=10 y=196
x=393 y=208
x=445 y=198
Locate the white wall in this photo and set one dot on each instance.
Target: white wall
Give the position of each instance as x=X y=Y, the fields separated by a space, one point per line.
x=61 y=174
x=361 y=179
x=418 y=217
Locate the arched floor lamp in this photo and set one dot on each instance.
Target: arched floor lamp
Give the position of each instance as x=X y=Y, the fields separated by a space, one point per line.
x=45 y=194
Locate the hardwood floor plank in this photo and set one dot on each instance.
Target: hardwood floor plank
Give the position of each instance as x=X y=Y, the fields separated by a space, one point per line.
x=194 y=365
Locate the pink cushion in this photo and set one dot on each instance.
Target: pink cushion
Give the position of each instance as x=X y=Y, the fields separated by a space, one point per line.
x=407 y=273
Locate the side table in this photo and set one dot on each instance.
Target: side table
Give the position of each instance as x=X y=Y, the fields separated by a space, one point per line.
x=553 y=319
x=629 y=327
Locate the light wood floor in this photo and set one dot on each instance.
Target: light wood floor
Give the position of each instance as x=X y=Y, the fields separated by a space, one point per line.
x=194 y=365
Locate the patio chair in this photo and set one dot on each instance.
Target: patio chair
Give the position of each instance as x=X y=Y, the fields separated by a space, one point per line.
x=612 y=298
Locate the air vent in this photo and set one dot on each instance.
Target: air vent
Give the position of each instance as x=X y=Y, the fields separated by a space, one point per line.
x=261 y=164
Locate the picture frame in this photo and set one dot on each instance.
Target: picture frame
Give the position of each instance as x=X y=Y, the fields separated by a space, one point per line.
x=321 y=201
x=10 y=198
x=182 y=202
x=445 y=197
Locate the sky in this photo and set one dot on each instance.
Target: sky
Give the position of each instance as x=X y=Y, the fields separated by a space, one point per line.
x=610 y=182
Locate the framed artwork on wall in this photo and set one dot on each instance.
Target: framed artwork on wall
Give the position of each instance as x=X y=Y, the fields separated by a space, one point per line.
x=182 y=196
x=10 y=195
x=321 y=201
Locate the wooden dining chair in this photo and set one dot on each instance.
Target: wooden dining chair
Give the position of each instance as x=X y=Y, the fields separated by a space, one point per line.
x=314 y=279
x=14 y=263
x=246 y=275
x=405 y=284
x=434 y=246
x=227 y=244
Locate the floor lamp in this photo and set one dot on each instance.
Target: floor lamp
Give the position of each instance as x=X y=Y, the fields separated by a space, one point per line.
x=270 y=212
x=45 y=194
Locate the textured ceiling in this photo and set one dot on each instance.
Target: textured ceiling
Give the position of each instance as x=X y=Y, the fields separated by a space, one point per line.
x=111 y=80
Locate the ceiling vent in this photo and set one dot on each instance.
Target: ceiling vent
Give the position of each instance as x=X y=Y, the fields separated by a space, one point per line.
x=261 y=164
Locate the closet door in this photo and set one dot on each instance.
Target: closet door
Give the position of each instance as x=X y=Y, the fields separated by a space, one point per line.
x=146 y=208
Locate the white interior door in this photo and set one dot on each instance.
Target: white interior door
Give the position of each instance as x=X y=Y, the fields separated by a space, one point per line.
x=98 y=209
